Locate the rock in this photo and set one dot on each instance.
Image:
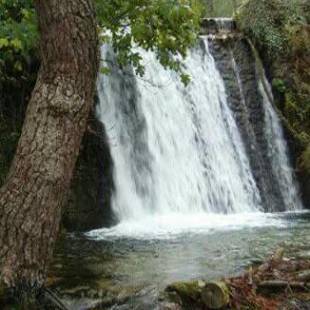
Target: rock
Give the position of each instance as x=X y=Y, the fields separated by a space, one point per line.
x=173 y=297
x=188 y=291
x=215 y=295
x=78 y=291
x=274 y=286
x=264 y=267
x=247 y=107
x=257 y=261
x=303 y=276
x=213 y=26
x=170 y=306
x=303 y=255
x=295 y=304
x=278 y=256
x=85 y=304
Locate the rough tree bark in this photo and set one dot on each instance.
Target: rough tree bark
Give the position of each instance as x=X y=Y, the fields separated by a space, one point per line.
x=40 y=175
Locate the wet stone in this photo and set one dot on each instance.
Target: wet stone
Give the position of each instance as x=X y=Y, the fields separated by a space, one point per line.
x=304 y=276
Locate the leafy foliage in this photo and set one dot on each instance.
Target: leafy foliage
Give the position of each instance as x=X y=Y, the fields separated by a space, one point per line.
x=221 y=8
x=18 y=36
x=166 y=27
x=18 y=67
x=272 y=22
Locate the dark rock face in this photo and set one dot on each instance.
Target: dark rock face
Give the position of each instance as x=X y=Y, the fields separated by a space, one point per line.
x=299 y=155
x=287 y=68
x=236 y=62
x=304 y=177
x=218 y=25
x=89 y=203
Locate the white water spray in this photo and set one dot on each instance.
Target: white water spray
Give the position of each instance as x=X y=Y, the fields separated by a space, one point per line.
x=278 y=152
x=177 y=151
x=180 y=150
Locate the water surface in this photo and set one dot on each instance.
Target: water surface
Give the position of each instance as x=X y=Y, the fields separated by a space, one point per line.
x=119 y=260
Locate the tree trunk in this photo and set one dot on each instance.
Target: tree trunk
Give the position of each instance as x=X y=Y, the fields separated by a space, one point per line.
x=234 y=6
x=40 y=175
x=211 y=7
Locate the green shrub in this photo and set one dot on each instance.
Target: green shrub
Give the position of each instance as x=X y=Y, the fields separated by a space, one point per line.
x=18 y=36
x=279 y=85
x=271 y=23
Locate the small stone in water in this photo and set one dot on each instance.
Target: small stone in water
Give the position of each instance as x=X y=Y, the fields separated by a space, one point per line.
x=304 y=276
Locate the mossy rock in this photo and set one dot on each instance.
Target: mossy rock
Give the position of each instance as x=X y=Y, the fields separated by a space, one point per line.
x=215 y=295
x=187 y=291
x=305 y=159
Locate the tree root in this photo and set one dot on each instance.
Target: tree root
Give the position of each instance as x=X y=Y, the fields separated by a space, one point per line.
x=26 y=298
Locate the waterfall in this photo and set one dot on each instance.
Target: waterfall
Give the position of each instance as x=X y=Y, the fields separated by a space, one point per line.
x=179 y=150
x=277 y=151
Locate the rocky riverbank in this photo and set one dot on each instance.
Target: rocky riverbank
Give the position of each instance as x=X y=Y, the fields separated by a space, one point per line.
x=278 y=283
x=282 y=281
x=84 y=277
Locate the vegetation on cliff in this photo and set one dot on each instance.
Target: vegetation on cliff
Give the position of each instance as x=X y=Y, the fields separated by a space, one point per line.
x=221 y=8
x=278 y=283
x=281 y=32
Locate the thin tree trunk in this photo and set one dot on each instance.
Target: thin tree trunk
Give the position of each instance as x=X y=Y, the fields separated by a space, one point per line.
x=211 y=7
x=234 y=6
x=40 y=175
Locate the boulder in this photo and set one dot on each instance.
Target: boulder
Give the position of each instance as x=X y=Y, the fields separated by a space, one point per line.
x=215 y=295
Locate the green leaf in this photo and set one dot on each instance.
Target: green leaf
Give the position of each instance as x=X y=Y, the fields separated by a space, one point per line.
x=4 y=42
x=17 y=44
x=185 y=78
x=18 y=66
x=105 y=70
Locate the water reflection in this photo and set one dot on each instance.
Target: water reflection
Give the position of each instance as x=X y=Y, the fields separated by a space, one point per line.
x=136 y=263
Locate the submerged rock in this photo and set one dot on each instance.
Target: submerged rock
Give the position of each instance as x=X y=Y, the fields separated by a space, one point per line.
x=294 y=304
x=304 y=276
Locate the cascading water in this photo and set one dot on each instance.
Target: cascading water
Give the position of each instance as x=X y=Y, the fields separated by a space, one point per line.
x=176 y=149
x=178 y=153
x=200 y=177
x=277 y=151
